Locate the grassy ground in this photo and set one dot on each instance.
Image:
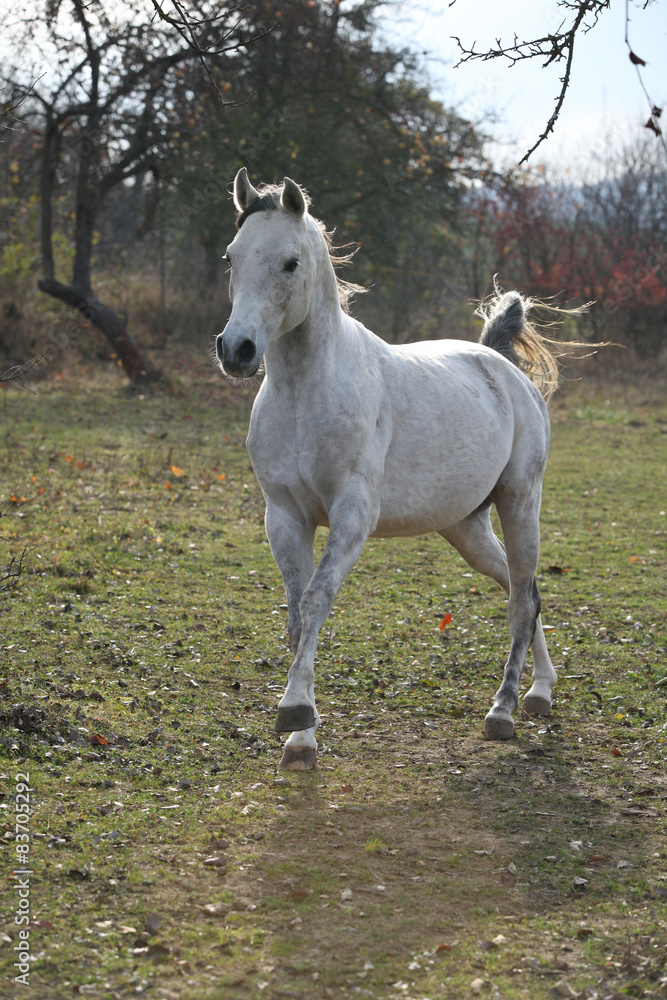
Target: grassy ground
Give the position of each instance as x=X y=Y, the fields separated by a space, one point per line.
x=144 y=650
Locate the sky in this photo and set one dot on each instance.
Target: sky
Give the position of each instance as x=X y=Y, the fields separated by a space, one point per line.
x=605 y=97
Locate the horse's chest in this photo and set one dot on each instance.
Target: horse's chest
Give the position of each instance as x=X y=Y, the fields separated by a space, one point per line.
x=297 y=475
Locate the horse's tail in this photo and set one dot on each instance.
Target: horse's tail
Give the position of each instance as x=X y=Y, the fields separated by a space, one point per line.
x=507 y=330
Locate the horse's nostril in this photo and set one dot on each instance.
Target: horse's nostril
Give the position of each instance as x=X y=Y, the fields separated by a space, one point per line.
x=246 y=353
x=219 y=348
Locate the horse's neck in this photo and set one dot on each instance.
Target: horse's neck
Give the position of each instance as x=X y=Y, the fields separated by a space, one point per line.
x=319 y=343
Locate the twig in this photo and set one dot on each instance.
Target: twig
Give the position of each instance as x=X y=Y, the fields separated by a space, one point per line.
x=16 y=373
x=638 y=62
x=185 y=26
x=240 y=761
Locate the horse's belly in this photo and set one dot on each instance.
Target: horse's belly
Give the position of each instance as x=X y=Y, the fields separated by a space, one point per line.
x=434 y=494
x=417 y=515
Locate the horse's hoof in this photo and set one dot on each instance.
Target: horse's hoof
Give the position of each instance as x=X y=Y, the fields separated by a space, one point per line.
x=294 y=718
x=298 y=759
x=533 y=704
x=498 y=727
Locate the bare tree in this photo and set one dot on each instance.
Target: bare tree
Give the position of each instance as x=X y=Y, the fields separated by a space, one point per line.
x=105 y=108
x=579 y=16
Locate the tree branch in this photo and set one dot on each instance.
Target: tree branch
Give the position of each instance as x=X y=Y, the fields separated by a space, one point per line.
x=553 y=48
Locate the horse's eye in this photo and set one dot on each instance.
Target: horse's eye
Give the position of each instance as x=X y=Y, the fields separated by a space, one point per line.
x=291 y=265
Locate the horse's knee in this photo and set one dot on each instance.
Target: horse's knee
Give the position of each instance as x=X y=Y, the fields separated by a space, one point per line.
x=315 y=605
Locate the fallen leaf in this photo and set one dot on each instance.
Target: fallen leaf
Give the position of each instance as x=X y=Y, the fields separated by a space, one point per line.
x=580 y=884
x=176 y=470
x=616 y=752
x=346 y=894
x=445 y=622
x=79 y=873
x=99 y=741
x=375 y=844
x=158 y=951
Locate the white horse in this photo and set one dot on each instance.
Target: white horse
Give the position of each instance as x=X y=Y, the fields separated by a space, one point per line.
x=368 y=439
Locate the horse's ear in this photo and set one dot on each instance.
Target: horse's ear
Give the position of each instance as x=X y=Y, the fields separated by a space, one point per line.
x=292 y=198
x=244 y=192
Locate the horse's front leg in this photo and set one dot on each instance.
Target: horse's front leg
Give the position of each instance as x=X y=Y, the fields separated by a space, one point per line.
x=352 y=517
x=292 y=546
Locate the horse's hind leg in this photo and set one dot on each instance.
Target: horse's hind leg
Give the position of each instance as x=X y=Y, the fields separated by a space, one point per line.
x=519 y=515
x=475 y=540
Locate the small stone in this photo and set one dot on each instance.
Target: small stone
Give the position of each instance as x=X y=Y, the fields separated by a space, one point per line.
x=185 y=783
x=152 y=923
x=217 y=861
x=216 y=909
x=476 y=986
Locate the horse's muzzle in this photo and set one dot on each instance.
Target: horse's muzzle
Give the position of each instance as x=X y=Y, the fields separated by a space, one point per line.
x=238 y=358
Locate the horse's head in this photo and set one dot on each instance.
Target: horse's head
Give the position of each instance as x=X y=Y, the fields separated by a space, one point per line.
x=272 y=270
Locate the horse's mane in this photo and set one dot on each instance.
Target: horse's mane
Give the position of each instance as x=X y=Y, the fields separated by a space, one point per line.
x=269 y=201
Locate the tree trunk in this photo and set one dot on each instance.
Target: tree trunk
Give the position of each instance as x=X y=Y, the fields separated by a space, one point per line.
x=137 y=368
